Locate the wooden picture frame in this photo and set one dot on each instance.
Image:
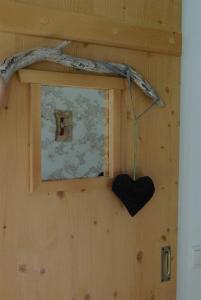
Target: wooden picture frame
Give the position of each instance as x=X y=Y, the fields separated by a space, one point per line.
x=118 y=158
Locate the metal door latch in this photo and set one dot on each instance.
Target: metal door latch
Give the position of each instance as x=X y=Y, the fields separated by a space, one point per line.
x=165 y=263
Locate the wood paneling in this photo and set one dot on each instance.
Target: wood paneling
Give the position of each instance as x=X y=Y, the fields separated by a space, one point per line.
x=105 y=31
x=158 y=14
x=61 y=246
x=72 y=80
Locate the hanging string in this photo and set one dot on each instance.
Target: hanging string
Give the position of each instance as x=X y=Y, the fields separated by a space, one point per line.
x=134 y=127
x=135 y=124
x=145 y=111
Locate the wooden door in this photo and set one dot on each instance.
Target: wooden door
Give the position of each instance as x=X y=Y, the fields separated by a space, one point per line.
x=85 y=246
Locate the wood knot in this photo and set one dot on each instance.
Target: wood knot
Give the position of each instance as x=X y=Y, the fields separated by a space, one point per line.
x=87 y=296
x=85 y=44
x=167 y=90
x=42 y=271
x=95 y=222
x=115 y=294
x=163 y=238
x=152 y=297
x=139 y=256
x=61 y=194
x=23 y=268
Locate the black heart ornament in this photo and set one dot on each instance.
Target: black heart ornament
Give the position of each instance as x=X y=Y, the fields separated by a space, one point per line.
x=133 y=193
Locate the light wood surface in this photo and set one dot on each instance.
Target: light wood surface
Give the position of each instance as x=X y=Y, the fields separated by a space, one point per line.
x=35 y=138
x=85 y=246
x=115 y=99
x=72 y=80
x=93 y=29
x=106 y=134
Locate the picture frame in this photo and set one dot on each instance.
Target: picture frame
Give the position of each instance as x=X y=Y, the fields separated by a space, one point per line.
x=119 y=126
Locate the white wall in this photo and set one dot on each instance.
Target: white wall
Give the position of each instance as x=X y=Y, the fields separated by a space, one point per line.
x=189 y=276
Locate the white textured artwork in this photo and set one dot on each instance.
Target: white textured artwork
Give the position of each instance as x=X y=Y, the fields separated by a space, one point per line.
x=83 y=155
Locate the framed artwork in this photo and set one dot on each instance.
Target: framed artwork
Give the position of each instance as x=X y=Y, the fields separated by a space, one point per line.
x=77 y=126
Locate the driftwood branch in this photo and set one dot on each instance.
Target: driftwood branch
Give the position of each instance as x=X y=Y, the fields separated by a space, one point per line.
x=19 y=61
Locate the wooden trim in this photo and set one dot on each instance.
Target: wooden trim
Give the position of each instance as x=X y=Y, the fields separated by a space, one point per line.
x=106 y=135
x=36 y=182
x=114 y=132
x=113 y=163
x=35 y=138
x=74 y=185
x=71 y=79
x=57 y=24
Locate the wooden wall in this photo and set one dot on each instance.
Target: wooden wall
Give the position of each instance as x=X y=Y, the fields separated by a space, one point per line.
x=86 y=247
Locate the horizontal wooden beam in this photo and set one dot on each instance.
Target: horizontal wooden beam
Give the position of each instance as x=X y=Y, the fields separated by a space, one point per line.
x=72 y=79
x=58 y=24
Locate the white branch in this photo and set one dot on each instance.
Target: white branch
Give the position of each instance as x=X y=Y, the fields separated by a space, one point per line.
x=21 y=60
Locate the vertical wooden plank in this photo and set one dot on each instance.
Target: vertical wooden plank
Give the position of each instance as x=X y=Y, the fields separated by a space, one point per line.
x=114 y=132
x=35 y=137
x=106 y=134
